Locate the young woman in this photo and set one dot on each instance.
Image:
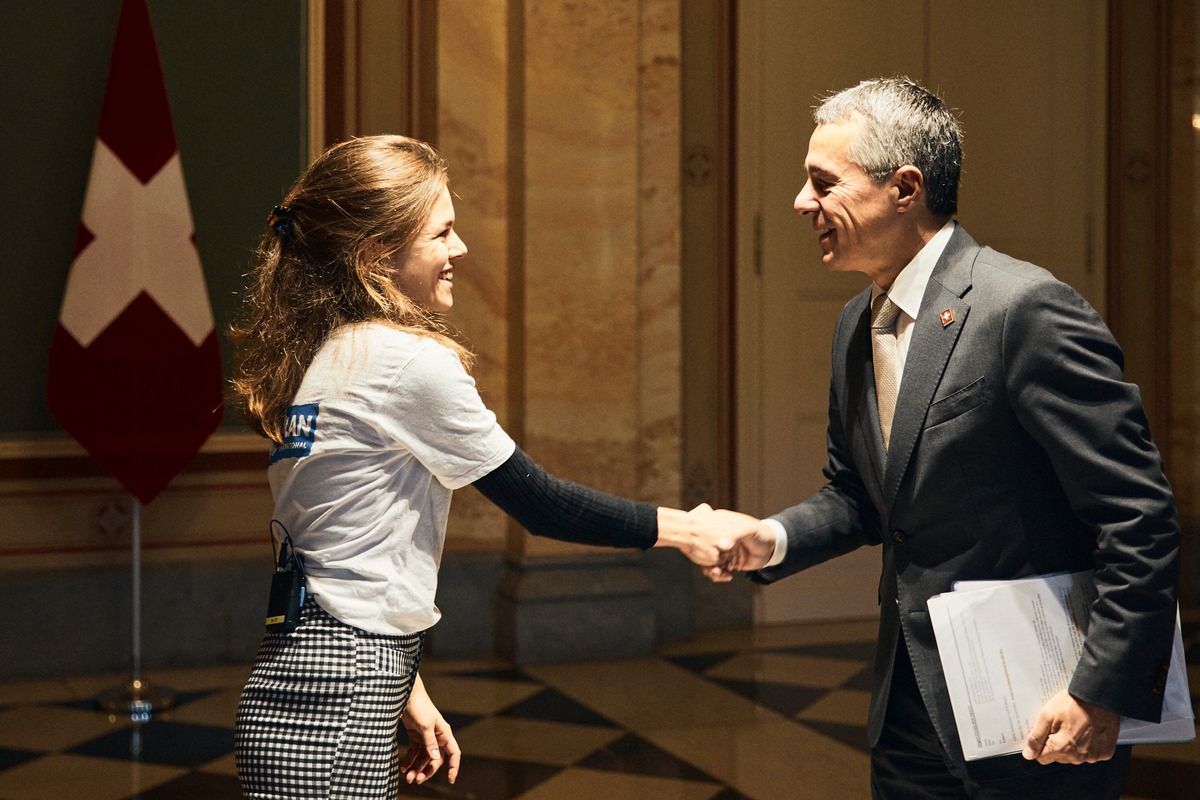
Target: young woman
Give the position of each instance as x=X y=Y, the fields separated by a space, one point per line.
x=374 y=420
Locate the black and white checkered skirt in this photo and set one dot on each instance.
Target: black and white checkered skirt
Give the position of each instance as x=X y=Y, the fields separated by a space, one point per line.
x=319 y=716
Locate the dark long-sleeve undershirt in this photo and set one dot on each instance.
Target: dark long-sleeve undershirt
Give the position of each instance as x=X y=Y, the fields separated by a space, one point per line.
x=559 y=509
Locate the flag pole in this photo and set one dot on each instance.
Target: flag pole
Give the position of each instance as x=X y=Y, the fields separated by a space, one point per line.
x=137 y=698
x=135 y=315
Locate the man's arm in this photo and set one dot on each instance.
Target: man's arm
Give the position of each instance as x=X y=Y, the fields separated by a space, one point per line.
x=1065 y=382
x=838 y=519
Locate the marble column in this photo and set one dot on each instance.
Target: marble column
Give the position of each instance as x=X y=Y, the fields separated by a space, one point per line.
x=593 y=320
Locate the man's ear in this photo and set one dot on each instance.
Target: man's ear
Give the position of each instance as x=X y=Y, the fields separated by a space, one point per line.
x=910 y=185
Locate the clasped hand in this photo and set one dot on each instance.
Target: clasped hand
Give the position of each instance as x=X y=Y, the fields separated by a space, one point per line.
x=728 y=542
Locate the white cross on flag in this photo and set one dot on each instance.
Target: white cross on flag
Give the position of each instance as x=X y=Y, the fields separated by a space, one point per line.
x=135 y=367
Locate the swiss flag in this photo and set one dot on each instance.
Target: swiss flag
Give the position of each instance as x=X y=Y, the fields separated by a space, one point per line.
x=135 y=368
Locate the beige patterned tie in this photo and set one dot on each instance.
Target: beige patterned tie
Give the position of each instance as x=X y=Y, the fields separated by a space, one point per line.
x=883 y=347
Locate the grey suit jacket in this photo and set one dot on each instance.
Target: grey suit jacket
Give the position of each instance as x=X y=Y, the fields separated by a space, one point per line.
x=1017 y=449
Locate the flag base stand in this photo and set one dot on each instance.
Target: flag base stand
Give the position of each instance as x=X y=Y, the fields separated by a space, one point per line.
x=137 y=699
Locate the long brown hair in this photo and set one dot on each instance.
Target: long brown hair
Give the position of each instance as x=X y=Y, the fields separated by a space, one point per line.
x=324 y=262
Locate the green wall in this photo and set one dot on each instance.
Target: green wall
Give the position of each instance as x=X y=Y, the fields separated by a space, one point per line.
x=235 y=74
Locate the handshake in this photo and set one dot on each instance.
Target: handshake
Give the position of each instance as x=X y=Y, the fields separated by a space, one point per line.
x=722 y=542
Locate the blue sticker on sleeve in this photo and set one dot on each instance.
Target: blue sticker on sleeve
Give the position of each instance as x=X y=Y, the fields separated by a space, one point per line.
x=298 y=434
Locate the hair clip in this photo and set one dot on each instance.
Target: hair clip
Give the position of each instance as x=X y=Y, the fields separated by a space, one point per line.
x=280 y=219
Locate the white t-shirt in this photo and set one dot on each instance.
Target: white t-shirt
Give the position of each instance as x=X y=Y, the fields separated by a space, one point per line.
x=385 y=425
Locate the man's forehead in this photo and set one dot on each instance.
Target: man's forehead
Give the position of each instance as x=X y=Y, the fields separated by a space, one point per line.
x=829 y=148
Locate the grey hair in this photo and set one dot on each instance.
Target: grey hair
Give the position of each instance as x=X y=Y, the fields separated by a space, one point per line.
x=901 y=123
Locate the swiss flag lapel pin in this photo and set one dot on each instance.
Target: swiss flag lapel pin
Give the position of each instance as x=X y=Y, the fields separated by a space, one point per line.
x=947 y=317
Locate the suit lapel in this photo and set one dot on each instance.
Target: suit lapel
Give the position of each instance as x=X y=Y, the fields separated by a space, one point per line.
x=928 y=352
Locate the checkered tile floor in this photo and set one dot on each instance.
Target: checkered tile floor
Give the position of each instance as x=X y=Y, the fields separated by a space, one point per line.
x=767 y=713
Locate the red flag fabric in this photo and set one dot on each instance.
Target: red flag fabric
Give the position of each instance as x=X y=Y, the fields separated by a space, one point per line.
x=135 y=366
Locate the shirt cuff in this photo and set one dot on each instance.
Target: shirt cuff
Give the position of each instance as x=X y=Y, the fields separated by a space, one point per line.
x=781 y=542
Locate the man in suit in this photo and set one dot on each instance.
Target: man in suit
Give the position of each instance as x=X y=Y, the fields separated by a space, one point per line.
x=1015 y=448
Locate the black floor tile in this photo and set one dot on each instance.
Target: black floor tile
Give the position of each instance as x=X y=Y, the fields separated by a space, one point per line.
x=504 y=674
x=701 y=663
x=551 y=706
x=863 y=680
x=184 y=698
x=729 y=794
x=850 y=651
x=851 y=735
x=635 y=755
x=786 y=699
x=11 y=758
x=159 y=742
x=483 y=778
x=195 y=786
x=459 y=721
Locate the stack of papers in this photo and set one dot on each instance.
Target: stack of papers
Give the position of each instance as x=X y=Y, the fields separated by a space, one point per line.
x=1009 y=646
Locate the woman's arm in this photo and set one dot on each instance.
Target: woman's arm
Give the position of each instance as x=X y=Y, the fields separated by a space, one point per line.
x=430 y=740
x=559 y=509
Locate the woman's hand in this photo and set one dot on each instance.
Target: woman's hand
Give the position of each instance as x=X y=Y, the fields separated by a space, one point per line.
x=715 y=540
x=430 y=740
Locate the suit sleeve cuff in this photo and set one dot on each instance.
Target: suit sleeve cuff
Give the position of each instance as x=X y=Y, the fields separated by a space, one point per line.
x=781 y=542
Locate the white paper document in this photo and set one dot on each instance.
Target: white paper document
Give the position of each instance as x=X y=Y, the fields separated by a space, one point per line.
x=1008 y=646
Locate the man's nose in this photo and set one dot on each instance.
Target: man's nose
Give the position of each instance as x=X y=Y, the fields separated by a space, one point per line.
x=805 y=201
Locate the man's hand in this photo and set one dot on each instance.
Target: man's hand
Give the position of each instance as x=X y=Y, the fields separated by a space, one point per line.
x=430 y=740
x=744 y=543
x=1070 y=731
x=751 y=549
x=720 y=541
x=703 y=535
